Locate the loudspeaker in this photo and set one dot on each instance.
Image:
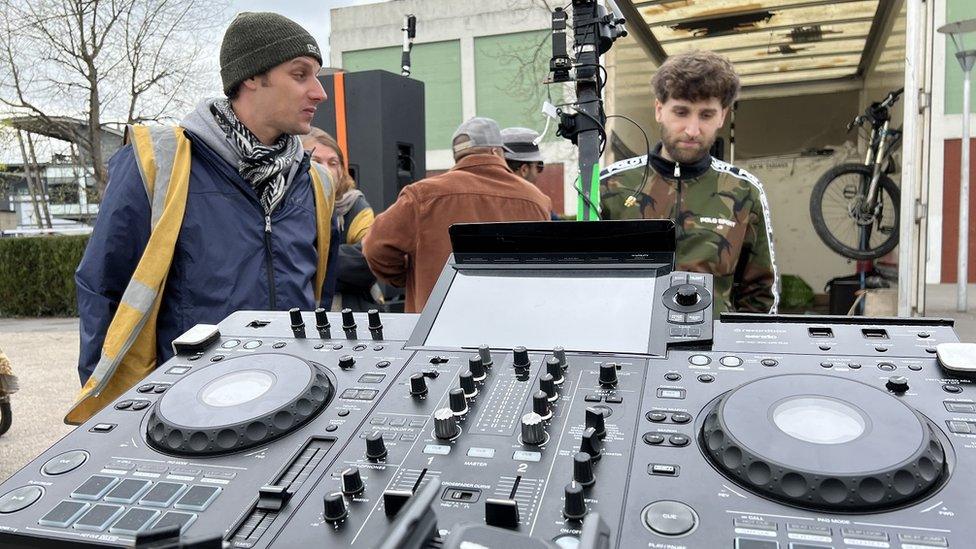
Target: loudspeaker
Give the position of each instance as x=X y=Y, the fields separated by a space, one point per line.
x=380 y=116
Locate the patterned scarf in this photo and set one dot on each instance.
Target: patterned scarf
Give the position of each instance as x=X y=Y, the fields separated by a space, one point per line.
x=265 y=168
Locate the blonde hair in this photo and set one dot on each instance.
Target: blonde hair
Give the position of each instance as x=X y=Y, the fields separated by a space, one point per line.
x=318 y=136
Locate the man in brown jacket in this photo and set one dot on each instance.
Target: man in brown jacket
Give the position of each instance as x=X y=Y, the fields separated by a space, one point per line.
x=409 y=243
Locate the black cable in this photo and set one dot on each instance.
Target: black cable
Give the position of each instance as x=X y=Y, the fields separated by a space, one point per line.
x=647 y=161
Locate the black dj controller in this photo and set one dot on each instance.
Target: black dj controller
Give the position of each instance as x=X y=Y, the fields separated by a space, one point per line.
x=499 y=419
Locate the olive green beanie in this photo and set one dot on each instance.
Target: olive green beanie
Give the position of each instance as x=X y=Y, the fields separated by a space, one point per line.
x=257 y=42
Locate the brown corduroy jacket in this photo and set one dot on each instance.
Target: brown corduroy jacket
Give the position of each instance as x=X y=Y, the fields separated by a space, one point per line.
x=408 y=244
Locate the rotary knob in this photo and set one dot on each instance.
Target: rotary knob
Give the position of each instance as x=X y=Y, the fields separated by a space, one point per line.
x=560 y=355
x=897 y=384
x=297 y=323
x=548 y=386
x=540 y=404
x=375 y=447
x=335 y=507
x=467 y=385
x=608 y=374
x=445 y=425
x=485 y=353
x=321 y=320
x=591 y=444
x=686 y=295
x=533 y=430
x=595 y=420
x=583 y=469
x=457 y=402
x=477 y=368
x=555 y=369
x=374 y=319
x=348 y=320
x=346 y=362
x=418 y=385
x=352 y=481
x=574 y=506
x=520 y=357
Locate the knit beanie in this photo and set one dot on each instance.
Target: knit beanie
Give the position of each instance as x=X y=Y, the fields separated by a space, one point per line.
x=257 y=42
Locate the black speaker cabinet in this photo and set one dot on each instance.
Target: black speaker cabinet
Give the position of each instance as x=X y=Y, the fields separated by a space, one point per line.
x=381 y=117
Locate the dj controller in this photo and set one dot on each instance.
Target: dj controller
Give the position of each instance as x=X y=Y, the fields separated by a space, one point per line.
x=585 y=402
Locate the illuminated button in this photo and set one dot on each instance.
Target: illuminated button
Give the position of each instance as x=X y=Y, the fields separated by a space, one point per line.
x=961 y=427
x=695 y=318
x=124 y=405
x=253 y=344
x=664 y=469
x=522 y=455
x=731 y=361
x=437 y=449
x=961 y=407
x=178 y=370
x=887 y=367
x=230 y=344
x=699 y=360
x=19 y=498
x=485 y=453
x=68 y=461
x=675 y=317
x=670 y=393
x=670 y=518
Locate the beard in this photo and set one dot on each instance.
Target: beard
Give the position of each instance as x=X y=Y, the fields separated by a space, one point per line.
x=684 y=155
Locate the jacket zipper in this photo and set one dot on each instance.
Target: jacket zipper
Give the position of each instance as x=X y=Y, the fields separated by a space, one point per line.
x=267 y=250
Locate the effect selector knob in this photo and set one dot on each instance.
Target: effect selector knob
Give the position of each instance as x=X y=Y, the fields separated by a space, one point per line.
x=375 y=447
x=467 y=385
x=595 y=420
x=540 y=404
x=897 y=384
x=335 y=507
x=520 y=357
x=608 y=374
x=445 y=425
x=477 y=368
x=457 y=402
x=533 y=430
x=591 y=444
x=583 y=469
x=418 y=384
x=555 y=369
x=352 y=481
x=686 y=295
x=574 y=506
x=548 y=387
x=485 y=353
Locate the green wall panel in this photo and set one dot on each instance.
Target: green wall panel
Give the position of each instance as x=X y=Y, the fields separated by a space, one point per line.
x=438 y=66
x=957 y=10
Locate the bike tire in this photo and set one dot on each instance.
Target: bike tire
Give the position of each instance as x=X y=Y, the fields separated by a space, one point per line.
x=887 y=186
x=6 y=416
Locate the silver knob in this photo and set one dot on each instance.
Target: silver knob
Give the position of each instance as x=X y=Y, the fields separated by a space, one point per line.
x=445 y=425
x=533 y=430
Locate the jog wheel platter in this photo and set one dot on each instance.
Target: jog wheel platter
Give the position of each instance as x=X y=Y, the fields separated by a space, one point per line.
x=238 y=404
x=823 y=442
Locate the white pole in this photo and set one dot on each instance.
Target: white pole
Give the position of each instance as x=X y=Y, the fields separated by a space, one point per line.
x=962 y=271
x=907 y=229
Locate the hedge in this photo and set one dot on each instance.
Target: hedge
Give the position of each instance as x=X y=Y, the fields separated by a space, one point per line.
x=37 y=275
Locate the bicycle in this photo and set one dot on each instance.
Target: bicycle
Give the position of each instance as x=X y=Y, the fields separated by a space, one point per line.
x=855 y=207
x=8 y=386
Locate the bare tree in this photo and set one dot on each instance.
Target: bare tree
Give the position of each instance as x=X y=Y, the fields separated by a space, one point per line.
x=105 y=62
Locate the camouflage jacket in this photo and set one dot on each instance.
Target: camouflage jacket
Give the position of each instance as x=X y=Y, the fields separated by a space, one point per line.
x=722 y=218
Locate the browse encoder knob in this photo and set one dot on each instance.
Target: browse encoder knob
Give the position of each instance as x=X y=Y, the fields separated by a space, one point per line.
x=335 y=507
x=485 y=353
x=457 y=401
x=595 y=419
x=574 y=507
x=897 y=384
x=540 y=404
x=548 y=386
x=555 y=369
x=467 y=385
x=352 y=481
x=520 y=357
x=418 y=384
x=477 y=368
x=533 y=430
x=445 y=425
x=686 y=295
x=375 y=447
x=608 y=374
x=591 y=444
x=583 y=469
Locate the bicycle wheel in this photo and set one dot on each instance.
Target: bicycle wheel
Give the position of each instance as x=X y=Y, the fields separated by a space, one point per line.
x=6 y=416
x=842 y=222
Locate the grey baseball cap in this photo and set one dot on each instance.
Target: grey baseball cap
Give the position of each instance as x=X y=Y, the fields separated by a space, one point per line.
x=521 y=145
x=480 y=132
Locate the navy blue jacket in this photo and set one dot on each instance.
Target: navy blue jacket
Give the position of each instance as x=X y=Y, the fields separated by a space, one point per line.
x=224 y=260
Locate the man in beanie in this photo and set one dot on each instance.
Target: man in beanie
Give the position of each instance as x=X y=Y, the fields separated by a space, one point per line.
x=409 y=243
x=251 y=233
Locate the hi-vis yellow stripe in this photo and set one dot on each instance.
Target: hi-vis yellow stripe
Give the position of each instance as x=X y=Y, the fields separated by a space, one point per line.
x=142 y=143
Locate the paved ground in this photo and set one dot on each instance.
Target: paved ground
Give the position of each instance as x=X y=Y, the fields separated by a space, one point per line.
x=44 y=354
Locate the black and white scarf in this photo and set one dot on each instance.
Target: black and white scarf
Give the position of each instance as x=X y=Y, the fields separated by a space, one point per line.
x=265 y=168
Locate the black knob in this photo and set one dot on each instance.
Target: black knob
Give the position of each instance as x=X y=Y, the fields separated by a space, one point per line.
x=418 y=384
x=897 y=384
x=335 y=507
x=560 y=355
x=477 y=368
x=521 y=358
x=348 y=321
x=445 y=424
x=540 y=404
x=485 y=353
x=583 y=469
x=591 y=444
x=555 y=369
x=595 y=419
x=574 y=508
x=467 y=385
x=375 y=447
x=548 y=387
x=458 y=402
x=608 y=374
x=346 y=362
x=352 y=481
x=533 y=430
x=686 y=295
x=321 y=319
x=374 y=319
x=296 y=318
